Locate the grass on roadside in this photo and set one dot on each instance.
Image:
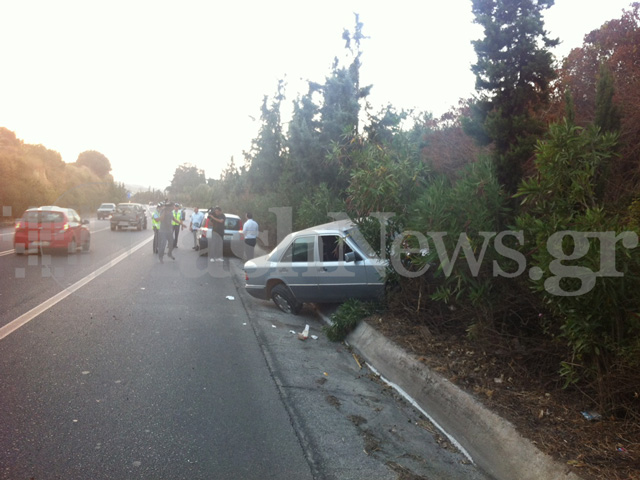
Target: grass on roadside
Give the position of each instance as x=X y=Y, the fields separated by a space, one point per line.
x=346 y=318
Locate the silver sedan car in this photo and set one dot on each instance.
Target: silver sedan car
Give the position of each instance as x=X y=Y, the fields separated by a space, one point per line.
x=323 y=264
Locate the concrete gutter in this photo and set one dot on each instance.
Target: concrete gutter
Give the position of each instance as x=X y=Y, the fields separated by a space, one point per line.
x=492 y=443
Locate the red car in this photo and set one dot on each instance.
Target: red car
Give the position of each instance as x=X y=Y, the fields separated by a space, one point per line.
x=45 y=228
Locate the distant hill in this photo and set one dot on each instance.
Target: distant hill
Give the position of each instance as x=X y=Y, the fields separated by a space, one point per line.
x=138 y=188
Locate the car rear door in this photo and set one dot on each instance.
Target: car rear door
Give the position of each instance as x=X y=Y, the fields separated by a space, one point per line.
x=297 y=268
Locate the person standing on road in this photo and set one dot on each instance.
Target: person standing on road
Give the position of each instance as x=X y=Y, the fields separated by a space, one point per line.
x=155 y=224
x=166 y=232
x=250 y=232
x=215 y=221
x=176 y=223
x=197 y=218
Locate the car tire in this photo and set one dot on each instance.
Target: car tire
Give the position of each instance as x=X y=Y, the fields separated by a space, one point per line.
x=72 y=247
x=285 y=300
x=113 y=227
x=86 y=246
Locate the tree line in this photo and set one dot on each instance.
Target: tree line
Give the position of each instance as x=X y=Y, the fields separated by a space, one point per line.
x=33 y=175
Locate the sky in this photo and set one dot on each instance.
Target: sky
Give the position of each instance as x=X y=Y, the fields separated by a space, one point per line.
x=153 y=84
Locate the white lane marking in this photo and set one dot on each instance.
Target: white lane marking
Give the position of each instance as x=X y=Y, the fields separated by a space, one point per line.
x=408 y=397
x=7 y=252
x=25 y=318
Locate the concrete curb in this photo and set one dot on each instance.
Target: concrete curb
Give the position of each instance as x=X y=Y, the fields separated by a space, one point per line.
x=492 y=442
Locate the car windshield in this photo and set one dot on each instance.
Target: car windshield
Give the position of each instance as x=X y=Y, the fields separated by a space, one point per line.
x=357 y=237
x=107 y=205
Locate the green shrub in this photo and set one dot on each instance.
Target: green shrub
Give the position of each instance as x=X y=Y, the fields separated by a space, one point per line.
x=346 y=318
x=453 y=212
x=590 y=278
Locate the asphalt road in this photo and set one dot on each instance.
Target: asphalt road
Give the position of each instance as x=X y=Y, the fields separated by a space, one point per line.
x=130 y=369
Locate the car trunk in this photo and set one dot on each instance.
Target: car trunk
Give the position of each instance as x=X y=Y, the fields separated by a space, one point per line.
x=42 y=228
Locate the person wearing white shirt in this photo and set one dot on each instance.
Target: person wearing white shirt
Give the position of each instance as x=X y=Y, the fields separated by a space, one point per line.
x=197 y=217
x=250 y=232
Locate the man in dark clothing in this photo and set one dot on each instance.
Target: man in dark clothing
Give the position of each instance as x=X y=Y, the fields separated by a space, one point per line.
x=216 y=222
x=165 y=232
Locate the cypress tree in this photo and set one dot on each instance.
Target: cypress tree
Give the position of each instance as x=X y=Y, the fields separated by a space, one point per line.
x=513 y=73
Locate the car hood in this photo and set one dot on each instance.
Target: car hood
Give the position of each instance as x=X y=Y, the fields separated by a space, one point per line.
x=255 y=263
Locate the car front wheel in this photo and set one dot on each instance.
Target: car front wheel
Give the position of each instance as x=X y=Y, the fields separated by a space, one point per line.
x=285 y=300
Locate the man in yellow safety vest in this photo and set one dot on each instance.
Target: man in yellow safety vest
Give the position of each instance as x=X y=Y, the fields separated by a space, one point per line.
x=155 y=224
x=176 y=222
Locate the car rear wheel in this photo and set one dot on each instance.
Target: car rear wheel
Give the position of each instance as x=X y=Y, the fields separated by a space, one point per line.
x=285 y=300
x=73 y=246
x=86 y=246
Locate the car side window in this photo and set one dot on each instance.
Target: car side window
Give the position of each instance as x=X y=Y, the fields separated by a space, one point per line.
x=333 y=248
x=301 y=250
x=73 y=216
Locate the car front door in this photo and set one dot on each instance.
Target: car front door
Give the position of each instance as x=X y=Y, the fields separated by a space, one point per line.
x=338 y=279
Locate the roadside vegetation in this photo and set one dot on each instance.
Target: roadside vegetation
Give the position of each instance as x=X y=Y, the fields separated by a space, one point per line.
x=34 y=175
x=546 y=145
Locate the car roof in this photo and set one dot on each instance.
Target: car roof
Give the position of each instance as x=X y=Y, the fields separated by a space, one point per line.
x=346 y=227
x=48 y=208
x=331 y=227
x=228 y=215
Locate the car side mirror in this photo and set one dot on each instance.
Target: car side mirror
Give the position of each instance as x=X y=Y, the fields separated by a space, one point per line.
x=350 y=257
x=84 y=222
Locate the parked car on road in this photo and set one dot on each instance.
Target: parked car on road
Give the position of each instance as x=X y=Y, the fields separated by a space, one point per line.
x=106 y=210
x=129 y=215
x=323 y=264
x=51 y=228
x=232 y=235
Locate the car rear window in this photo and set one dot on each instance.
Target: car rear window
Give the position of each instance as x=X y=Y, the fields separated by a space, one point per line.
x=232 y=223
x=44 y=217
x=300 y=251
